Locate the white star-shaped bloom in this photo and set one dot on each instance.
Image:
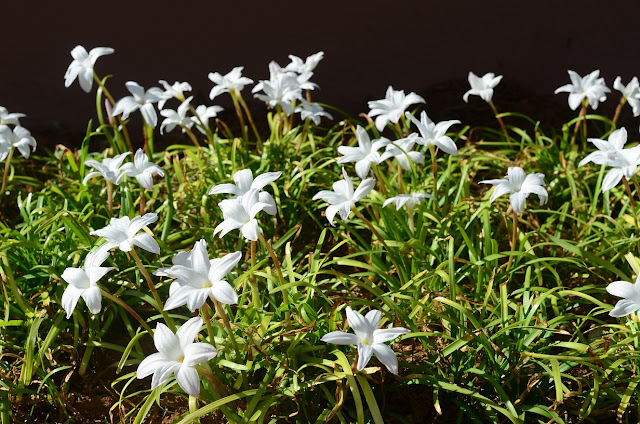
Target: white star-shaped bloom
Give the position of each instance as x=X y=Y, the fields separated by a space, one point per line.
x=343 y=196
x=365 y=154
x=109 y=168
x=175 y=91
x=233 y=81
x=240 y=213
x=482 y=86
x=140 y=99
x=123 y=233
x=7 y=118
x=369 y=338
x=407 y=200
x=177 y=354
x=244 y=182
x=590 y=87
x=434 y=134
x=142 y=169
x=519 y=186
x=391 y=108
x=82 y=66
x=18 y=138
x=401 y=151
x=83 y=283
x=177 y=118
x=311 y=111
x=631 y=93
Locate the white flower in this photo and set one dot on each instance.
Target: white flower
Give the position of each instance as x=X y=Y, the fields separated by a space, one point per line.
x=175 y=118
x=434 y=134
x=140 y=99
x=7 y=118
x=343 y=197
x=177 y=354
x=19 y=137
x=123 y=233
x=142 y=169
x=631 y=93
x=205 y=113
x=630 y=294
x=198 y=278
x=482 y=87
x=612 y=153
x=83 y=283
x=244 y=182
x=109 y=168
x=281 y=89
x=233 y=81
x=408 y=200
x=311 y=111
x=519 y=185
x=240 y=213
x=590 y=87
x=369 y=338
x=300 y=67
x=391 y=108
x=400 y=150
x=82 y=66
x=175 y=91
x=365 y=154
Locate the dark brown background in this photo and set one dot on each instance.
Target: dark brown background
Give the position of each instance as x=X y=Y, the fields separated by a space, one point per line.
x=368 y=45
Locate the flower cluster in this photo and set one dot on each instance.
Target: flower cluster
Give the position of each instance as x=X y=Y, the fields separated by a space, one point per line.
x=112 y=169
x=14 y=138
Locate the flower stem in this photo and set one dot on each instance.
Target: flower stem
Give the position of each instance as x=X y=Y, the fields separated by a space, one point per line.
x=236 y=105
x=381 y=239
x=616 y=115
x=504 y=128
x=110 y=197
x=113 y=102
x=633 y=203
x=410 y=220
x=250 y=118
x=6 y=170
x=143 y=201
x=227 y=324
x=154 y=293
x=276 y=262
x=376 y=172
x=434 y=168
x=255 y=294
x=134 y=314
x=583 y=113
x=193 y=138
x=514 y=237
x=207 y=320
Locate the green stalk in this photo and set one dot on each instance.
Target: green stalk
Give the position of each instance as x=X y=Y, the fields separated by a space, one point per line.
x=6 y=170
x=154 y=293
x=227 y=324
x=7 y=276
x=276 y=262
x=250 y=118
x=134 y=314
x=255 y=294
x=504 y=128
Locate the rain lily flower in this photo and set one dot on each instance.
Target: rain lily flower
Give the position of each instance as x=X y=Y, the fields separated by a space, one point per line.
x=343 y=197
x=281 y=89
x=244 y=182
x=365 y=154
x=142 y=169
x=311 y=111
x=631 y=93
x=83 y=283
x=7 y=118
x=589 y=87
x=482 y=87
x=630 y=294
x=240 y=213
x=198 y=278
x=400 y=150
x=140 y=99
x=205 y=113
x=109 y=168
x=432 y=134
x=175 y=118
x=123 y=233
x=82 y=66
x=233 y=81
x=175 y=91
x=19 y=137
x=391 y=108
x=612 y=153
x=407 y=200
x=177 y=354
x=369 y=338
x=300 y=67
x=519 y=185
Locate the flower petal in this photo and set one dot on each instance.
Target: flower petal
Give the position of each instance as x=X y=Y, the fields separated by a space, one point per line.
x=189 y=380
x=340 y=338
x=387 y=356
x=364 y=355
